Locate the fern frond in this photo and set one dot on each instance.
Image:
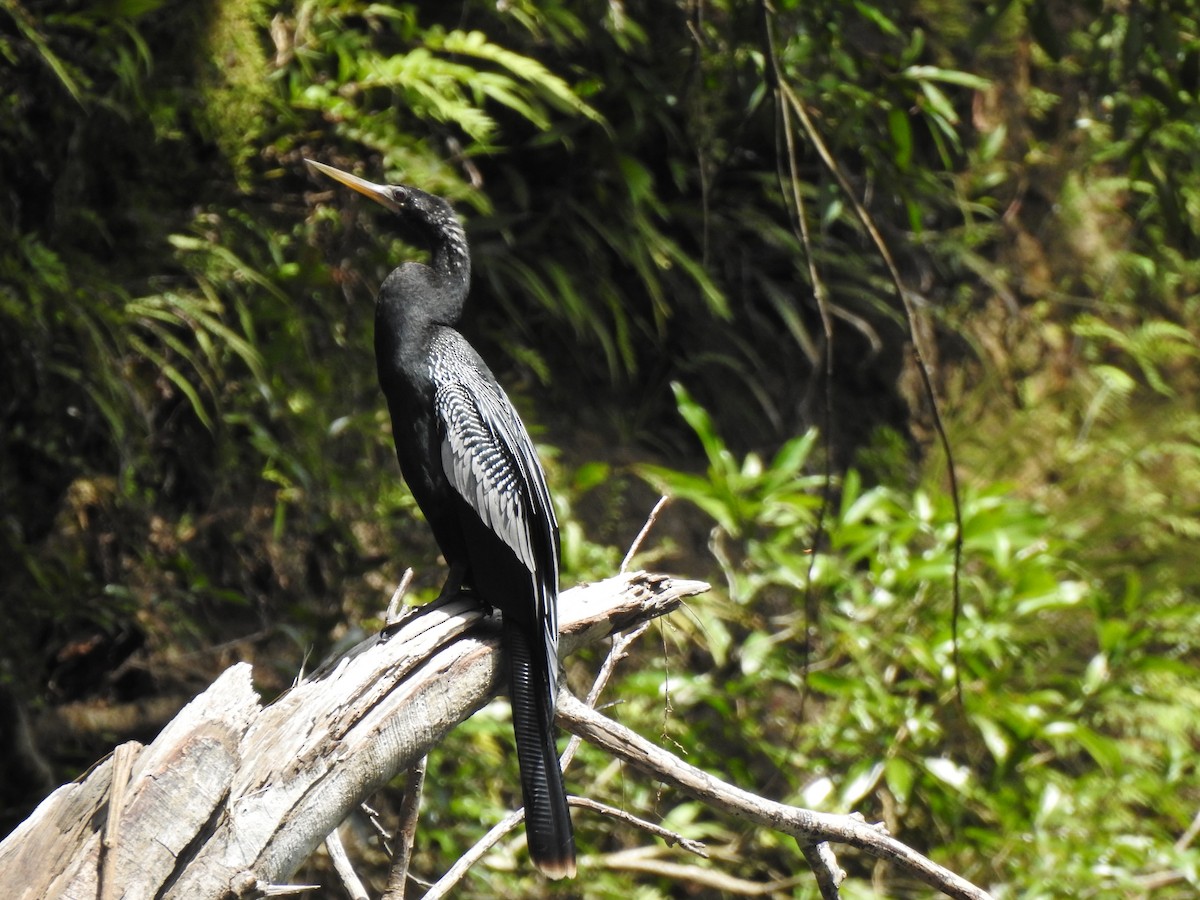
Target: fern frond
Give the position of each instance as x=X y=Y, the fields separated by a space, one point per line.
x=550 y=87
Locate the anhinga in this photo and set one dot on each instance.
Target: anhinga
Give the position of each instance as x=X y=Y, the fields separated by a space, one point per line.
x=473 y=470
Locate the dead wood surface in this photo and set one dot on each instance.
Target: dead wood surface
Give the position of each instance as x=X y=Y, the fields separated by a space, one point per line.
x=233 y=794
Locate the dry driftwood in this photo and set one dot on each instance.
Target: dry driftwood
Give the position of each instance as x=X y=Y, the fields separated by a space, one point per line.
x=234 y=795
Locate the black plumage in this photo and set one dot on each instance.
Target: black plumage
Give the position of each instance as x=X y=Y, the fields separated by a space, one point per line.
x=473 y=470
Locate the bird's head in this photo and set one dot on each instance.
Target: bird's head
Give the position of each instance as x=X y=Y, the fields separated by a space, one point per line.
x=425 y=216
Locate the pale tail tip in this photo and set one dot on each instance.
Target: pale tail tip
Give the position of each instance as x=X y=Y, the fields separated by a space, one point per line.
x=556 y=869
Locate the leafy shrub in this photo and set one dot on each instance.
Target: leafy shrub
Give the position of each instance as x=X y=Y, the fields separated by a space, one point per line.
x=1069 y=706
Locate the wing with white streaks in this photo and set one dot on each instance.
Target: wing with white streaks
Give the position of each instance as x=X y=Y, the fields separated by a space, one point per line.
x=482 y=467
x=490 y=461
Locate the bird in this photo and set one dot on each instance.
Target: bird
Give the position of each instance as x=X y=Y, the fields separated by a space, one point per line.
x=475 y=474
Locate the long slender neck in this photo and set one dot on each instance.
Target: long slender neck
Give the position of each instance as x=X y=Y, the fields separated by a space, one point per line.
x=417 y=296
x=451 y=263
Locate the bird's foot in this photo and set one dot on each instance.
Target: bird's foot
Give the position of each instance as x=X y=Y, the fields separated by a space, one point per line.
x=465 y=592
x=453 y=589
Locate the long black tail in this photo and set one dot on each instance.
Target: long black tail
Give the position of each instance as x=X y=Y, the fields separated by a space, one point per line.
x=547 y=819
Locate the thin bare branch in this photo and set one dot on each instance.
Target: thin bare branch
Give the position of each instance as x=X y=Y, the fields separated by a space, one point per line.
x=344 y=868
x=444 y=885
x=616 y=653
x=707 y=877
x=825 y=869
x=406 y=833
x=1185 y=839
x=372 y=814
x=283 y=890
x=394 y=613
x=824 y=309
x=672 y=838
x=122 y=762
x=806 y=826
x=641 y=535
x=921 y=353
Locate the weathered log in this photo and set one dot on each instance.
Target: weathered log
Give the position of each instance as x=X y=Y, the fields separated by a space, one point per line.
x=234 y=795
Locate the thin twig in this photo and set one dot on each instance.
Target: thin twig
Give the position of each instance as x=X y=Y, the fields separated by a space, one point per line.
x=825 y=869
x=616 y=653
x=444 y=885
x=709 y=879
x=821 y=296
x=262 y=889
x=372 y=815
x=122 y=766
x=919 y=354
x=393 y=613
x=671 y=837
x=344 y=868
x=406 y=833
x=641 y=535
x=1185 y=839
x=123 y=757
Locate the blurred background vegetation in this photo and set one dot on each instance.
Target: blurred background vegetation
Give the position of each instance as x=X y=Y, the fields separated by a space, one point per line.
x=196 y=466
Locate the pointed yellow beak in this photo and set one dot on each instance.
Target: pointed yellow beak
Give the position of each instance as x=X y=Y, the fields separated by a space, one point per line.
x=377 y=192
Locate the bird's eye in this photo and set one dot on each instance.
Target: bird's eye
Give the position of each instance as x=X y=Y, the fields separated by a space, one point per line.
x=400 y=195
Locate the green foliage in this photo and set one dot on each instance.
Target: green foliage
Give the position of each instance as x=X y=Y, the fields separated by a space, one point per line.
x=741 y=495
x=194 y=450
x=355 y=78
x=1070 y=705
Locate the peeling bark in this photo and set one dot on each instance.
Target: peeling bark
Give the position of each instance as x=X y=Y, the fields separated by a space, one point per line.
x=234 y=795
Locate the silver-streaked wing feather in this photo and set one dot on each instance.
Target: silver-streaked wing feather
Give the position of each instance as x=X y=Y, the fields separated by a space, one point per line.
x=483 y=468
x=490 y=461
